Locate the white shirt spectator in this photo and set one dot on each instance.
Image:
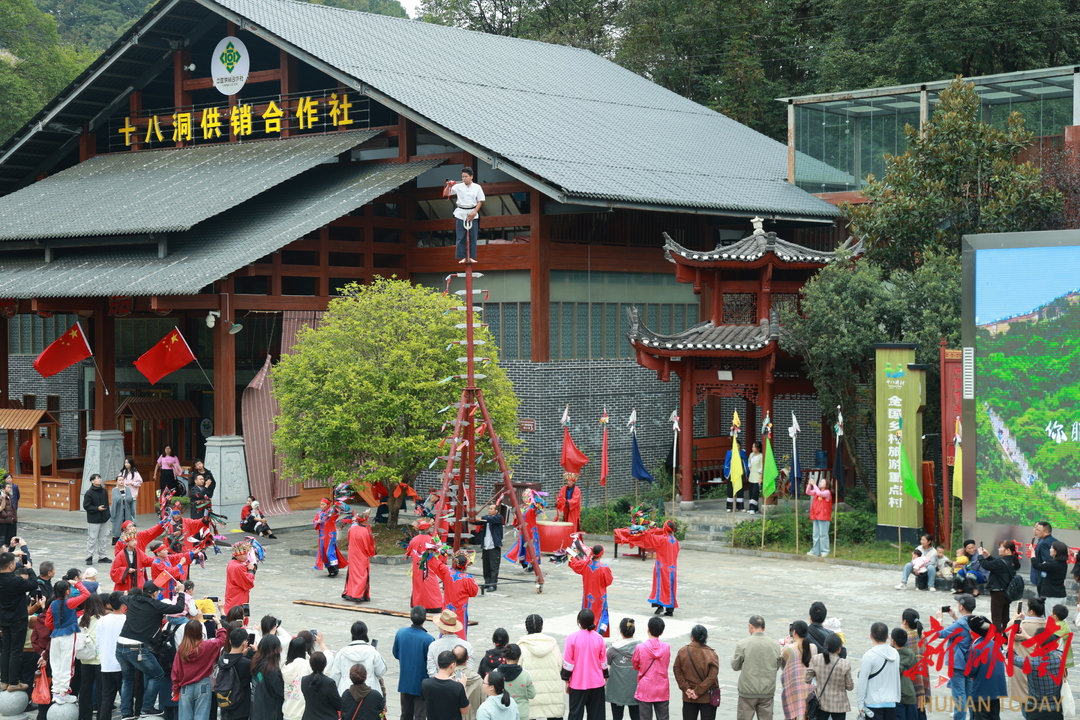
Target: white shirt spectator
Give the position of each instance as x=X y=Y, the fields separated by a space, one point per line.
x=467 y=198
x=108 y=632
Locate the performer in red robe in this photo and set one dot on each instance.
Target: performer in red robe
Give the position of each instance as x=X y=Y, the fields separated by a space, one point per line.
x=595 y=579
x=665 y=580
x=361 y=550
x=142 y=537
x=326 y=521
x=167 y=569
x=568 y=502
x=129 y=566
x=458 y=587
x=533 y=506
x=425 y=584
x=239 y=576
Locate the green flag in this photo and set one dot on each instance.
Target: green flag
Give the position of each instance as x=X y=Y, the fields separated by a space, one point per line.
x=911 y=485
x=772 y=473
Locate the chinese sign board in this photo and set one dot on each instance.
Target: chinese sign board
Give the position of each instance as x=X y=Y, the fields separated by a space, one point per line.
x=901 y=396
x=258 y=118
x=229 y=65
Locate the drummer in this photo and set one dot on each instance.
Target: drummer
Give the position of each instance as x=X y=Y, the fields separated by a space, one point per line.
x=533 y=505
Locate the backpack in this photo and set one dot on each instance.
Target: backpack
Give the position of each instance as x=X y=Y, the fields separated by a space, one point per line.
x=227 y=684
x=1015 y=589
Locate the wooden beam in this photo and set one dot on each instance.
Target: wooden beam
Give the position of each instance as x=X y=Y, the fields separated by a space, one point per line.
x=539 y=280
x=486 y=221
x=259 y=76
x=105 y=357
x=610 y=258
x=441 y=259
x=64 y=305
x=364 y=609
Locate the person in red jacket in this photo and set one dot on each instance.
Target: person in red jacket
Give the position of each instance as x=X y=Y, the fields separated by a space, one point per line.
x=361 y=550
x=820 y=515
x=167 y=568
x=192 y=668
x=130 y=563
x=239 y=576
x=142 y=537
x=458 y=587
x=595 y=579
x=568 y=503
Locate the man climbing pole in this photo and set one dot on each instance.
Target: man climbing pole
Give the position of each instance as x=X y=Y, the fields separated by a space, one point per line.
x=468 y=196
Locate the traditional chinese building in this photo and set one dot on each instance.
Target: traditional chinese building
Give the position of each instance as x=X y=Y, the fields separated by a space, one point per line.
x=734 y=354
x=227 y=166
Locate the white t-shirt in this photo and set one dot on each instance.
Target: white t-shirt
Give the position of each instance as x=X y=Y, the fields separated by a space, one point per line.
x=467 y=198
x=108 y=631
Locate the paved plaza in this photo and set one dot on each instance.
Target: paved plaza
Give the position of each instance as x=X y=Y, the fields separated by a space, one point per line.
x=717 y=590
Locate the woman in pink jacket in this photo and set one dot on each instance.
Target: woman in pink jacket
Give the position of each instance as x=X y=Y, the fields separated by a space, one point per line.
x=651 y=660
x=820 y=514
x=585 y=669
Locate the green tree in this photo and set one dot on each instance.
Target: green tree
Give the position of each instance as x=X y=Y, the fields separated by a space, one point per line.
x=957 y=177
x=34 y=65
x=846 y=308
x=361 y=396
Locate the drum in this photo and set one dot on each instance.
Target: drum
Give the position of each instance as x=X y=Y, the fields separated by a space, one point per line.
x=554 y=535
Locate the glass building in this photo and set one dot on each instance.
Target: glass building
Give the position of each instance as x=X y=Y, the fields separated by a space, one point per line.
x=836 y=139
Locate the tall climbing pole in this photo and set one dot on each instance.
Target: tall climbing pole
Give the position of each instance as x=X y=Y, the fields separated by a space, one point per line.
x=470 y=424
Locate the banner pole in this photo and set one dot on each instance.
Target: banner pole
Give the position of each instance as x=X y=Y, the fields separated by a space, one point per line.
x=798 y=511
x=764 y=519
x=835 y=514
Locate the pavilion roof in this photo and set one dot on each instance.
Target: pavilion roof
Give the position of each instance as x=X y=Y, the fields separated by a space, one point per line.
x=753 y=249
x=705 y=337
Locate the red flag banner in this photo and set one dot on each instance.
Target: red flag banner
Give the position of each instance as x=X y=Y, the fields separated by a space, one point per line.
x=170 y=354
x=572 y=459
x=63 y=352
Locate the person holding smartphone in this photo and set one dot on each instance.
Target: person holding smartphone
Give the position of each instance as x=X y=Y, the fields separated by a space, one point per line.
x=96 y=505
x=1000 y=571
x=958 y=637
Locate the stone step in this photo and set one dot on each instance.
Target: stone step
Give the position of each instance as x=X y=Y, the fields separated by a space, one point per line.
x=704 y=546
x=706 y=527
x=716 y=539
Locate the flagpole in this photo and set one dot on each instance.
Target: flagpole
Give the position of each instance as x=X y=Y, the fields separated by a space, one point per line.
x=674 y=457
x=204 y=373
x=764 y=518
x=100 y=376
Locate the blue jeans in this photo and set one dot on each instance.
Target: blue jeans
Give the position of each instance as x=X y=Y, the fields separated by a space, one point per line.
x=931 y=572
x=821 y=537
x=907 y=712
x=195 y=701
x=128 y=657
x=472 y=233
x=961 y=691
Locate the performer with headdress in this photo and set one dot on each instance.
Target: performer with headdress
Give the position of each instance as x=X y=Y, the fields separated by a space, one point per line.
x=326 y=522
x=240 y=574
x=595 y=579
x=361 y=550
x=142 y=537
x=129 y=565
x=425 y=584
x=568 y=502
x=665 y=580
x=533 y=507
x=458 y=587
x=168 y=568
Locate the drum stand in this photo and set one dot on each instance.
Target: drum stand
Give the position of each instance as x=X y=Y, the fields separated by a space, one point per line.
x=468 y=427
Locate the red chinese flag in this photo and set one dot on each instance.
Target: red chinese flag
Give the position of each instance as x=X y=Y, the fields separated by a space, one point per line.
x=170 y=354
x=63 y=352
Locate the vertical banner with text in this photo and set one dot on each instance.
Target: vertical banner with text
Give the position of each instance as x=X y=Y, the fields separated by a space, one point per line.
x=900 y=397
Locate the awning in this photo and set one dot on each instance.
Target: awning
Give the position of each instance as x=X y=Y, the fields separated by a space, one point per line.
x=11 y=419
x=154 y=409
x=161 y=191
x=216 y=247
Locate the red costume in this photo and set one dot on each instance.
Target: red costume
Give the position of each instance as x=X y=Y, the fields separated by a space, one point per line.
x=425 y=590
x=166 y=572
x=569 y=510
x=665 y=582
x=327 y=556
x=595 y=579
x=137 y=561
x=458 y=586
x=142 y=538
x=239 y=579
x=361 y=550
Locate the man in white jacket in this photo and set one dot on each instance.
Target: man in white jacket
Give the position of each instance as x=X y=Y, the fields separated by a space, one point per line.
x=878 y=689
x=359 y=652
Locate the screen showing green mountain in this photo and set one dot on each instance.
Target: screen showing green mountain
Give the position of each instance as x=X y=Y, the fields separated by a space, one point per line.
x=1027 y=357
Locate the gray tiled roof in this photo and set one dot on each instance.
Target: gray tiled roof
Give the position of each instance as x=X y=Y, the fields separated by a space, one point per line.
x=705 y=335
x=216 y=247
x=567 y=116
x=160 y=191
x=756 y=246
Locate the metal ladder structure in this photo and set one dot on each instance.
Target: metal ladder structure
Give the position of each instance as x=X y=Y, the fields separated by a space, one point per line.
x=461 y=457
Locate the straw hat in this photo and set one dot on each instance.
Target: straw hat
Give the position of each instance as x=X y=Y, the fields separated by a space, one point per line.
x=448 y=622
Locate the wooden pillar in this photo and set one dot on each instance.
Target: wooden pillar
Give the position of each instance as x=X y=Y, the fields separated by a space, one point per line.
x=5 y=337
x=716 y=311
x=87 y=143
x=539 y=280
x=135 y=109
x=181 y=99
x=768 y=365
x=225 y=368
x=406 y=139
x=105 y=355
x=287 y=63
x=686 y=421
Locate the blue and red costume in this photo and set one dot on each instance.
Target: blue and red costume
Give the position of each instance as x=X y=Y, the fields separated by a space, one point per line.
x=665 y=582
x=328 y=558
x=595 y=579
x=458 y=587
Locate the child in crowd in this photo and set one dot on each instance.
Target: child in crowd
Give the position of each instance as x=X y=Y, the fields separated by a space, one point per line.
x=90 y=581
